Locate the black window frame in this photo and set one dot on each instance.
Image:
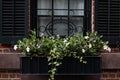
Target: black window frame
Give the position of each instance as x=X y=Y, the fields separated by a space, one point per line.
x=86 y=22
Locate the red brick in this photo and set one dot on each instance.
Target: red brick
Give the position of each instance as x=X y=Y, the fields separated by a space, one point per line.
x=0 y=75
x=112 y=75
x=6 y=50
x=4 y=75
x=12 y=75
x=104 y=75
x=118 y=75
x=18 y=75
x=0 y=51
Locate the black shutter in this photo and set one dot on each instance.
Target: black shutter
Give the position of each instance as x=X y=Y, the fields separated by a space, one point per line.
x=13 y=20
x=107 y=19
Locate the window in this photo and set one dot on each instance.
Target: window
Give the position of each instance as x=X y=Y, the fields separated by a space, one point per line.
x=107 y=20
x=13 y=20
x=63 y=17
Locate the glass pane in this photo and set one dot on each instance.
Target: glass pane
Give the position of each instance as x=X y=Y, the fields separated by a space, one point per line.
x=77 y=7
x=44 y=7
x=78 y=22
x=60 y=26
x=42 y=24
x=60 y=7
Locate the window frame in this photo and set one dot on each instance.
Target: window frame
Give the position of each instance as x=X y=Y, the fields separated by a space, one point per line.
x=86 y=19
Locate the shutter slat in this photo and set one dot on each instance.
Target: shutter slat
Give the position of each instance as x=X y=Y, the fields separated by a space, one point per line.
x=7 y=16
x=19 y=17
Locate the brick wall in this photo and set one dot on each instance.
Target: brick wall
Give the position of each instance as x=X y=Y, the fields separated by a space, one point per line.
x=9 y=66
x=110 y=66
x=110 y=75
x=6 y=74
x=15 y=75
x=10 y=75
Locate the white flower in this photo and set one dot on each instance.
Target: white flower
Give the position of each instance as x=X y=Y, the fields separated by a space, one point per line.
x=41 y=34
x=54 y=69
x=90 y=46
x=27 y=49
x=94 y=41
x=101 y=36
x=67 y=44
x=65 y=40
x=83 y=50
x=38 y=46
x=58 y=36
x=86 y=37
x=20 y=42
x=15 y=47
x=107 y=48
x=53 y=40
x=52 y=37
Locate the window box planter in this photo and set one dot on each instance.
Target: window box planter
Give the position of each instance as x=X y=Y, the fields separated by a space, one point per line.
x=34 y=65
x=58 y=50
x=69 y=66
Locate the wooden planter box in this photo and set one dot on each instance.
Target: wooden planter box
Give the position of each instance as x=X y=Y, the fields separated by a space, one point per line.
x=70 y=66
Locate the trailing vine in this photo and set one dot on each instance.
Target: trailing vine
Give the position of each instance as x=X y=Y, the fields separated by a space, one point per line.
x=54 y=61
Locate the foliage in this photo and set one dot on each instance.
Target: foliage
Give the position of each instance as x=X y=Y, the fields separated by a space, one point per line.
x=55 y=48
x=88 y=45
